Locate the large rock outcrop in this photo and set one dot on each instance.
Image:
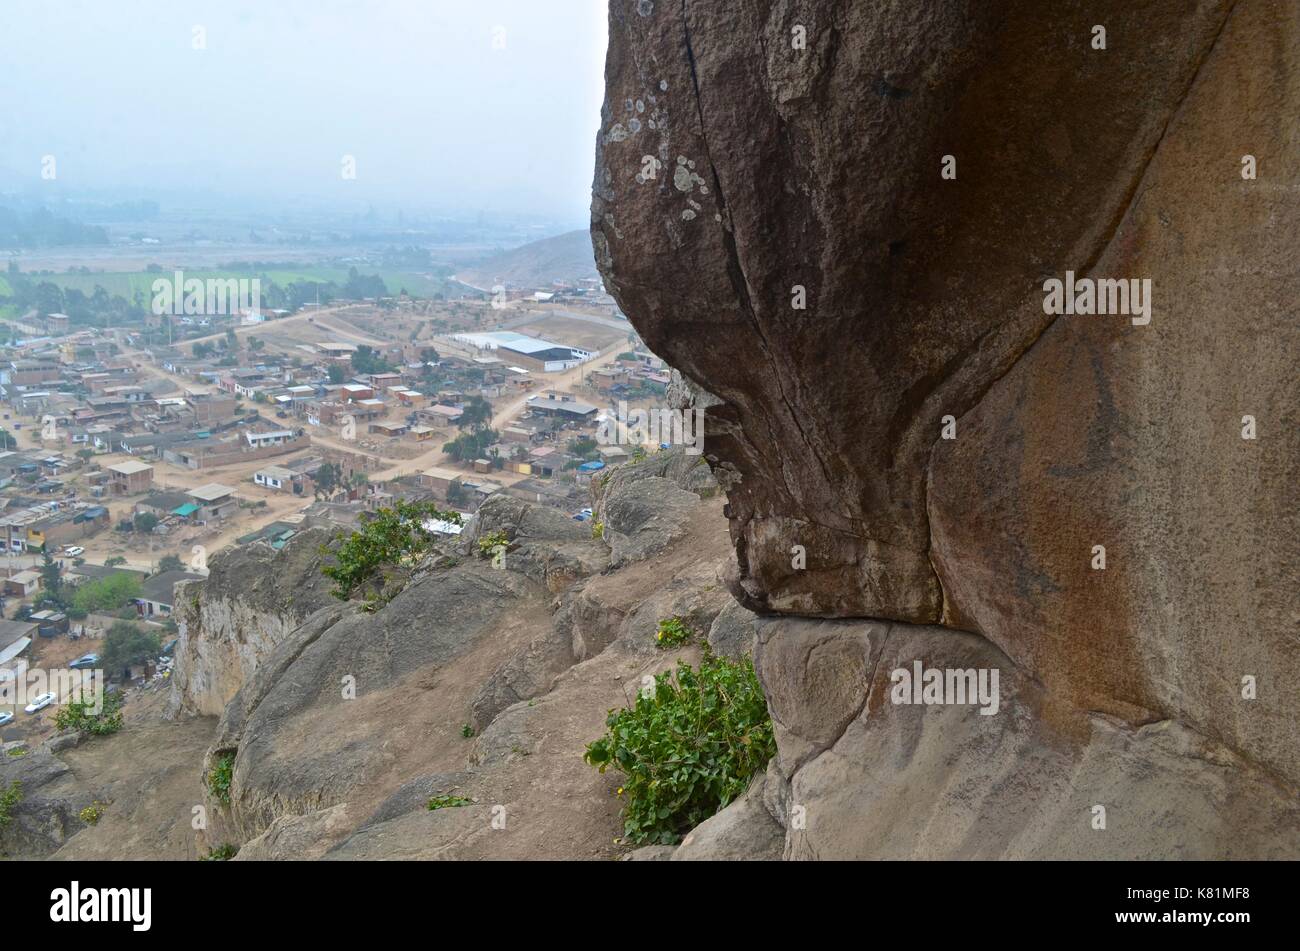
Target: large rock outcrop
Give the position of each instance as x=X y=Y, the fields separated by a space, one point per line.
x=482 y=678
x=921 y=441
x=253 y=598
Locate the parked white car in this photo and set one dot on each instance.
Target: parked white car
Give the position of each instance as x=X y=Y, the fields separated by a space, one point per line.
x=6 y=717
x=74 y=551
x=40 y=703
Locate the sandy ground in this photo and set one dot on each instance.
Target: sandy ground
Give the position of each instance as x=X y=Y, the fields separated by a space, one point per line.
x=150 y=778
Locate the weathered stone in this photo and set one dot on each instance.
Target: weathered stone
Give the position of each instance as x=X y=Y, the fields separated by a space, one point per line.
x=812 y=172
x=253 y=598
x=47 y=811
x=945 y=780
x=732 y=632
x=743 y=831
x=645 y=517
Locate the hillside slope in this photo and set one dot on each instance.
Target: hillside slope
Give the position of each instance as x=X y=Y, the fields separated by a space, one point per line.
x=565 y=257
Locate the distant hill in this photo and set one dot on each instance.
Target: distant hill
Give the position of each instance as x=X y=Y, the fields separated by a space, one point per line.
x=566 y=257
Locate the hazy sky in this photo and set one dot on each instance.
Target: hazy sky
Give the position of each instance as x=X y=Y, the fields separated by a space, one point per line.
x=435 y=115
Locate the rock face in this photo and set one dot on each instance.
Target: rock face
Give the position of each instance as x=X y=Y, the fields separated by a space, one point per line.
x=253 y=597
x=885 y=388
x=483 y=678
x=876 y=778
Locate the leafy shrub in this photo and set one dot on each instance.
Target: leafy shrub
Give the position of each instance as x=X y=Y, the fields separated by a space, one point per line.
x=598 y=530
x=76 y=715
x=8 y=799
x=673 y=632
x=222 y=853
x=448 y=802
x=391 y=536
x=687 y=748
x=219 y=777
x=90 y=815
x=466 y=730
x=489 y=543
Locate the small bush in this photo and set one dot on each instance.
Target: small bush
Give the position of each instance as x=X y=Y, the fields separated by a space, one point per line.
x=448 y=802
x=219 y=777
x=489 y=543
x=466 y=730
x=597 y=530
x=90 y=815
x=673 y=632
x=75 y=715
x=8 y=799
x=388 y=537
x=222 y=853
x=687 y=747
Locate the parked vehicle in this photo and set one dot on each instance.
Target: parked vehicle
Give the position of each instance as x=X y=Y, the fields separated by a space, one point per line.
x=84 y=661
x=40 y=702
x=6 y=718
x=74 y=551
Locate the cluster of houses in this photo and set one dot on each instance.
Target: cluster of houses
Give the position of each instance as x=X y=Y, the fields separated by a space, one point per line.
x=205 y=411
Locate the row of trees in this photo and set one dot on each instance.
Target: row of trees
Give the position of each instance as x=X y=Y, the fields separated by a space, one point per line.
x=99 y=307
x=96 y=308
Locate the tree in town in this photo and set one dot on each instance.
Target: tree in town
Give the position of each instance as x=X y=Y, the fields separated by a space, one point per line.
x=476 y=414
x=326 y=479
x=126 y=645
x=456 y=494
x=51 y=579
x=105 y=594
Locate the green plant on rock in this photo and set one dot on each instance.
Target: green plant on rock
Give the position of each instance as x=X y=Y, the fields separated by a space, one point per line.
x=219 y=777
x=394 y=536
x=687 y=747
x=598 y=530
x=466 y=730
x=77 y=715
x=672 y=632
x=90 y=815
x=490 y=542
x=448 y=802
x=8 y=799
x=222 y=853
